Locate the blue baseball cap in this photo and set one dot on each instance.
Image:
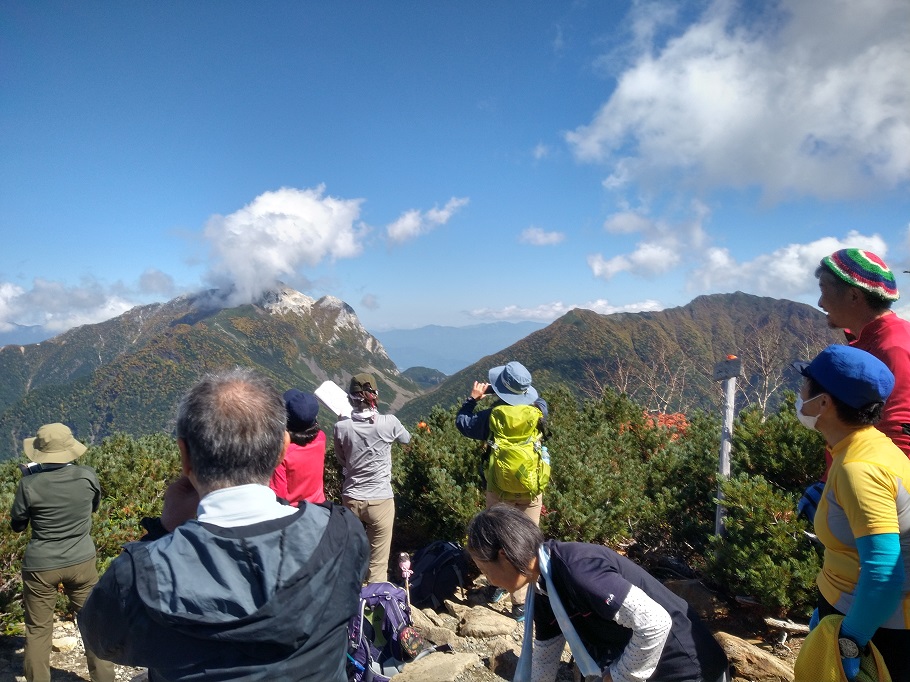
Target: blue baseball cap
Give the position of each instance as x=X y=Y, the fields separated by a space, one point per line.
x=851 y=375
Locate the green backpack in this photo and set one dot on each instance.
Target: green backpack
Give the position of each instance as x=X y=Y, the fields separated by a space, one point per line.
x=519 y=465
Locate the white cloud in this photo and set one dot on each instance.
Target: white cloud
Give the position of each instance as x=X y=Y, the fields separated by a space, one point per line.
x=811 y=98
x=277 y=234
x=626 y=222
x=10 y=308
x=153 y=281
x=788 y=272
x=409 y=225
x=550 y=311
x=538 y=237
x=662 y=247
x=370 y=302
x=413 y=223
x=650 y=258
x=56 y=307
x=541 y=151
x=559 y=42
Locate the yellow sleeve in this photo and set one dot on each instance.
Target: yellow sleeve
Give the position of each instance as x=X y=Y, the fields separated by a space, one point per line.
x=867 y=494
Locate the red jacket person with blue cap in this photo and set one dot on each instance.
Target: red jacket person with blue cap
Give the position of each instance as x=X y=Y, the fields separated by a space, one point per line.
x=299 y=476
x=863 y=516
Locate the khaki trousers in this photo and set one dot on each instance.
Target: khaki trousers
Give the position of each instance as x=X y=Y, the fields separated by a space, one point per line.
x=531 y=509
x=39 y=595
x=377 y=517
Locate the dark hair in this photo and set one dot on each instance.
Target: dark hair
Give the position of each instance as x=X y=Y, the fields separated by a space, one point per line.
x=306 y=436
x=233 y=425
x=874 y=301
x=362 y=399
x=503 y=527
x=869 y=415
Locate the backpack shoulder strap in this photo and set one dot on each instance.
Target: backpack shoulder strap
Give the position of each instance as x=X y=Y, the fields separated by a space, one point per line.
x=586 y=664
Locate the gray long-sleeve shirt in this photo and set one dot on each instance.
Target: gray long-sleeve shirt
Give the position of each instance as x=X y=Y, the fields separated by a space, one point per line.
x=364 y=450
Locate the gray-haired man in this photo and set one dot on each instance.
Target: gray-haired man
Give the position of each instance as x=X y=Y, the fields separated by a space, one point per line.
x=250 y=589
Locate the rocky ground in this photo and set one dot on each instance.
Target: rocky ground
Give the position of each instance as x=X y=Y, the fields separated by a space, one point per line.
x=485 y=642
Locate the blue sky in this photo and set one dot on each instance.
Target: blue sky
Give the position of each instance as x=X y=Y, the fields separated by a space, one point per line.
x=445 y=162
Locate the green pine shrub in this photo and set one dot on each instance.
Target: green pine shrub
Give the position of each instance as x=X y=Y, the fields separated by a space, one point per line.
x=778 y=447
x=12 y=546
x=682 y=480
x=133 y=474
x=437 y=482
x=622 y=477
x=599 y=472
x=764 y=553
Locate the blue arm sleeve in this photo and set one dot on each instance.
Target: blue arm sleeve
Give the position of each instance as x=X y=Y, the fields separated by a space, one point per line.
x=880 y=587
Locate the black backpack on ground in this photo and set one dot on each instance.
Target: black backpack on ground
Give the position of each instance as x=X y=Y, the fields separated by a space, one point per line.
x=438 y=568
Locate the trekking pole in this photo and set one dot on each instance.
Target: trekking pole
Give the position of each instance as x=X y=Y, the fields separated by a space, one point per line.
x=404 y=563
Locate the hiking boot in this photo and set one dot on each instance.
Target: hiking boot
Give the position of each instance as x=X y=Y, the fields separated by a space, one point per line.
x=498 y=595
x=518 y=612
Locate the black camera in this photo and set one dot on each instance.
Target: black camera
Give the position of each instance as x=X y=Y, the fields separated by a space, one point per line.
x=30 y=468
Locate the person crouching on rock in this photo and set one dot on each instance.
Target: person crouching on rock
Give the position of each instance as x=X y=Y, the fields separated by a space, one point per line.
x=631 y=625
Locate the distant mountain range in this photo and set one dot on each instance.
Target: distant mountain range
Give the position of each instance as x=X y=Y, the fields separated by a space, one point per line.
x=23 y=334
x=450 y=349
x=128 y=374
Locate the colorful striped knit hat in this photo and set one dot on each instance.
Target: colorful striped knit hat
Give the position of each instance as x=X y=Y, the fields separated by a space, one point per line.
x=863 y=269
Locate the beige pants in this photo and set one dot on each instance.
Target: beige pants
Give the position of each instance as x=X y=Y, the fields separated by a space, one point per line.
x=532 y=511
x=377 y=517
x=39 y=595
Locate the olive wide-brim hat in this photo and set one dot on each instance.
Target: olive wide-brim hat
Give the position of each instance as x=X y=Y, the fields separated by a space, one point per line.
x=54 y=444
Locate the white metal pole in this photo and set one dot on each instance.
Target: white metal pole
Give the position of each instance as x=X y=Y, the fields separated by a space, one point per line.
x=726 y=442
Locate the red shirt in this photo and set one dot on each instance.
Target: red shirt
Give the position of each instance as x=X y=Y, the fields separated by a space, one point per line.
x=299 y=475
x=888 y=339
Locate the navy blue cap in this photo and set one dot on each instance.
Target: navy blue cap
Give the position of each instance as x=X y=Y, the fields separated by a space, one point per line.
x=302 y=409
x=851 y=375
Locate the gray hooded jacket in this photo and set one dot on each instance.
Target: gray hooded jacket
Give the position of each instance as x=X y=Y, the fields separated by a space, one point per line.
x=268 y=601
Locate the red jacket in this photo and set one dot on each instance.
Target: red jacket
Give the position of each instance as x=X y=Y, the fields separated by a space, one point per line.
x=888 y=339
x=299 y=475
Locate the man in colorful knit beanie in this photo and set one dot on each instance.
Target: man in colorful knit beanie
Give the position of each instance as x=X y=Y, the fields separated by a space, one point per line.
x=857 y=290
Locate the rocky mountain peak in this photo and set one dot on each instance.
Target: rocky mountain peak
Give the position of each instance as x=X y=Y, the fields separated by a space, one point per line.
x=345 y=317
x=286 y=300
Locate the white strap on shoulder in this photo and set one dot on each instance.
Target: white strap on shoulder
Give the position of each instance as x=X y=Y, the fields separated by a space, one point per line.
x=587 y=665
x=523 y=669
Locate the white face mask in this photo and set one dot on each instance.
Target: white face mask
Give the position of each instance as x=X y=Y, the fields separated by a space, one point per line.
x=804 y=419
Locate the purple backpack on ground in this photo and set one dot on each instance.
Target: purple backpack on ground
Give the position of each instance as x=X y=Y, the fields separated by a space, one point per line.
x=375 y=651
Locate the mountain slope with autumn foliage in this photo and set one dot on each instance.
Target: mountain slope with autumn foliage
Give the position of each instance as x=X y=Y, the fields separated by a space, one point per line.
x=663 y=360
x=127 y=374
